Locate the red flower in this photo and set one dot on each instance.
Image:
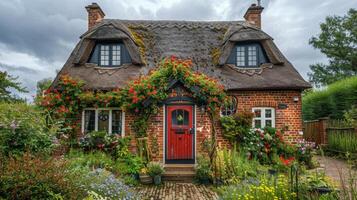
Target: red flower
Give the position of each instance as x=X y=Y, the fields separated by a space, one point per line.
x=131 y=90
x=288 y=161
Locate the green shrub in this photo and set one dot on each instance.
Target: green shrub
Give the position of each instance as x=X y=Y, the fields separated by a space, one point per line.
x=203 y=170
x=94 y=159
x=265 y=144
x=231 y=166
x=332 y=101
x=350 y=116
x=237 y=126
x=311 y=180
x=23 y=128
x=155 y=169
x=262 y=188
x=34 y=177
x=131 y=164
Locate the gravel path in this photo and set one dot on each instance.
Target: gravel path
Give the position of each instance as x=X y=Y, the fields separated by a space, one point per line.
x=336 y=169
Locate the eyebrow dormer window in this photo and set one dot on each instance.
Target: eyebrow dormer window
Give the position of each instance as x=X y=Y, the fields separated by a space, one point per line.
x=247 y=55
x=110 y=55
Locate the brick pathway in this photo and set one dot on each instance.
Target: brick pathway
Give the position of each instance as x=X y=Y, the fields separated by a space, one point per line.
x=177 y=191
x=335 y=169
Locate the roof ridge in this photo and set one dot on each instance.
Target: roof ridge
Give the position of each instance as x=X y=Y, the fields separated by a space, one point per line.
x=175 y=21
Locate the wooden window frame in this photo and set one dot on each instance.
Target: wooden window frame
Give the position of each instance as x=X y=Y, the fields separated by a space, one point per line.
x=110 y=63
x=110 y=120
x=262 y=117
x=246 y=55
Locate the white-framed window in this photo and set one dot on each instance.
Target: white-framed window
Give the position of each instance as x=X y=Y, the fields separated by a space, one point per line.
x=109 y=54
x=110 y=120
x=230 y=107
x=263 y=116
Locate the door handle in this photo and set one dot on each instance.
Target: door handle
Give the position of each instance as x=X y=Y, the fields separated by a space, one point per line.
x=192 y=130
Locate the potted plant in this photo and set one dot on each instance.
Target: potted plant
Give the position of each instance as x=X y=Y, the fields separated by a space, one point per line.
x=144 y=177
x=155 y=170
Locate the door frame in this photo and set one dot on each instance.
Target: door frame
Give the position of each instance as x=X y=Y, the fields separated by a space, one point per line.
x=193 y=161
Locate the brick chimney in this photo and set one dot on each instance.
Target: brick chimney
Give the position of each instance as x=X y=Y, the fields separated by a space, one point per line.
x=95 y=15
x=253 y=14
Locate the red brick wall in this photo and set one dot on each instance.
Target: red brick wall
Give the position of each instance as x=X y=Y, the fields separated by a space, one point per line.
x=289 y=119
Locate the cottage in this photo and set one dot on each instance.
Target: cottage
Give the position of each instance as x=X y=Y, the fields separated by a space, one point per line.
x=243 y=58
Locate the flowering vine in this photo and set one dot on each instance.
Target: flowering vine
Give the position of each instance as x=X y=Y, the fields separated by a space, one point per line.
x=141 y=96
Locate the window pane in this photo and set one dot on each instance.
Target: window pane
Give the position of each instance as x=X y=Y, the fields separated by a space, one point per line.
x=116 y=54
x=103 y=120
x=89 y=121
x=252 y=56
x=257 y=113
x=240 y=56
x=116 y=121
x=230 y=108
x=257 y=123
x=180 y=117
x=268 y=123
x=104 y=55
x=268 y=113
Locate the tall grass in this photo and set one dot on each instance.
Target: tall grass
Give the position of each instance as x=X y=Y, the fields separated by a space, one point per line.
x=342 y=140
x=331 y=101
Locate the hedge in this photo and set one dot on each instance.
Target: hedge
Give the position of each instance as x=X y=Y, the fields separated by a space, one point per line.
x=331 y=101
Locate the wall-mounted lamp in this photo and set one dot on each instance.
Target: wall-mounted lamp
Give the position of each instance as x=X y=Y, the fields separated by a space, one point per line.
x=296 y=99
x=202 y=108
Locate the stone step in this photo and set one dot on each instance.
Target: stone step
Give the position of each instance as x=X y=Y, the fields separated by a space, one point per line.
x=179 y=167
x=179 y=173
x=177 y=177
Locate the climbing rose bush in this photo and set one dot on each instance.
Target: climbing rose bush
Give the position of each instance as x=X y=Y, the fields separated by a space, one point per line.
x=147 y=91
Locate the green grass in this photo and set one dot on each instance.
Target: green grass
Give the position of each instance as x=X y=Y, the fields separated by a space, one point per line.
x=342 y=141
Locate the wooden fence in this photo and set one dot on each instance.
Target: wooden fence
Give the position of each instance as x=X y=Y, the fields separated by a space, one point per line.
x=337 y=134
x=315 y=131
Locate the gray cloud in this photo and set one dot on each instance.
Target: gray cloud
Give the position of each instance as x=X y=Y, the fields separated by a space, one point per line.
x=188 y=10
x=45 y=32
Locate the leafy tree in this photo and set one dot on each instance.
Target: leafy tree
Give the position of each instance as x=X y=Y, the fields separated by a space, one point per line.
x=338 y=41
x=8 y=85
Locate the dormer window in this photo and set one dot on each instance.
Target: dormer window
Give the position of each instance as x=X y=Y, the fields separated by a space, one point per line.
x=110 y=54
x=247 y=55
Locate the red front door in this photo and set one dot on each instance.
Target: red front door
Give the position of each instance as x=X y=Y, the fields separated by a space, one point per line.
x=179 y=132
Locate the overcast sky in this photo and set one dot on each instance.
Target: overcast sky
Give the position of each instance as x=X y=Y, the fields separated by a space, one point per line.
x=37 y=36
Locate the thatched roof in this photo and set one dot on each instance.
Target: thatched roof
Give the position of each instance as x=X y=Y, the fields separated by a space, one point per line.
x=207 y=44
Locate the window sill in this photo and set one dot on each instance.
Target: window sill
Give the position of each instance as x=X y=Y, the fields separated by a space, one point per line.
x=109 y=67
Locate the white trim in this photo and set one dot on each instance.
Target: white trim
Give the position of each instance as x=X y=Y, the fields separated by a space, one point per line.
x=96 y=120
x=110 y=123
x=123 y=123
x=83 y=121
x=195 y=139
x=164 y=133
x=110 y=109
x=262 y=117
